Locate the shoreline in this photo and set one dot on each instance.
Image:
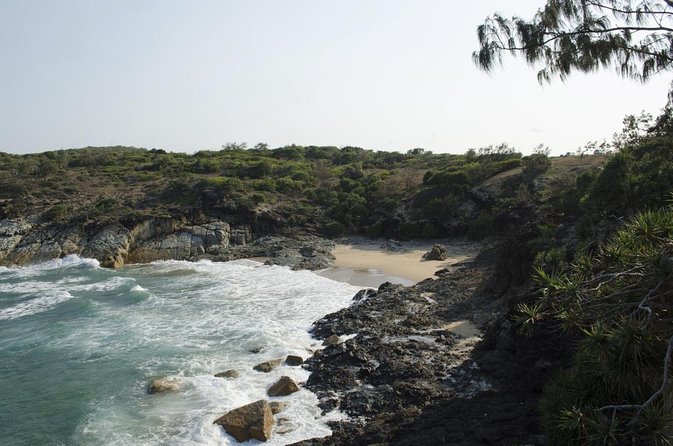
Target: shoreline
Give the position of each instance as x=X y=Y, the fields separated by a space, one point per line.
x=371 y=262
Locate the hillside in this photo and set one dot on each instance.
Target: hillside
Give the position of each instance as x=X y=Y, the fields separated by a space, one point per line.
x=319 y=189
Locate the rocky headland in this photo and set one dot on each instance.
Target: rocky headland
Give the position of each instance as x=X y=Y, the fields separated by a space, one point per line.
x=437 y=363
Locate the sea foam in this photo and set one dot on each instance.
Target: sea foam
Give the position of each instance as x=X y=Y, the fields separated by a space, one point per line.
x=177 y=319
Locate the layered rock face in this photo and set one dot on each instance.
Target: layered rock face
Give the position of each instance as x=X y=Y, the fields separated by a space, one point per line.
x=189 y=242
x=24 y=241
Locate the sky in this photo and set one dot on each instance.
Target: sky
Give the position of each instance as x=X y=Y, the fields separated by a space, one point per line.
x=197 y=74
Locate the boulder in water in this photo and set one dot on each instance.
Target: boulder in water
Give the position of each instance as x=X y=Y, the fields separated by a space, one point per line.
x=278 y=406
x=438 y=252
x=228 y=374
x=267 y=366
x=252 y=421
x=284 y=386
x=163 y=385
x=294 y=360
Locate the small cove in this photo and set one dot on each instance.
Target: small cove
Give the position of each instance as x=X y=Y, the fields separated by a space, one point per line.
x=78 y=344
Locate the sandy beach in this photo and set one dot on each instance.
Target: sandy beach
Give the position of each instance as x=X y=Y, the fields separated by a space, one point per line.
x=367 y=262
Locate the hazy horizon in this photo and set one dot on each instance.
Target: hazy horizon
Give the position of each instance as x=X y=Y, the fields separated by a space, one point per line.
x=188 y=76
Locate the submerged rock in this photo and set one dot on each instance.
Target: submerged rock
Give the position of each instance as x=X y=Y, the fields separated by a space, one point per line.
x=267 y=366
x=163 y=385
x=228 y=374
x=252 y=421
x=284 y=386
x=278 y=406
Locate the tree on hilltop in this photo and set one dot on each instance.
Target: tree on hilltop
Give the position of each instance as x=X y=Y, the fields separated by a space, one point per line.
x=564 y=36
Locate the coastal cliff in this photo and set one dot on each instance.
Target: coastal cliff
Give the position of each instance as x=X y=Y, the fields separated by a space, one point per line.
x=27 y=240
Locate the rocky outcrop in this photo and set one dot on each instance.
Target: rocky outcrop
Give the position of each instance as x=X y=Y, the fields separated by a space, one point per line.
x=252 y=421
x=438 y=252
x=110 y=246
x=406 y=376
x=29 y=240
x=284 y=386
x=189 y=242
x=11 y=234
x=302 y=252
x=408 y=373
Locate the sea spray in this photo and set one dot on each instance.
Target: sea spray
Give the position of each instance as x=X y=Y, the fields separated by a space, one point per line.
x=78 y=344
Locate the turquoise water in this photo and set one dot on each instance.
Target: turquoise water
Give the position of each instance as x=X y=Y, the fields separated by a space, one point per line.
x=78 y=344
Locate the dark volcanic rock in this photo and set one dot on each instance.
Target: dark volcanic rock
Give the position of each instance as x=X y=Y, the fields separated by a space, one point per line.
x=332 y=341
x=406 y=379
x=252 y=421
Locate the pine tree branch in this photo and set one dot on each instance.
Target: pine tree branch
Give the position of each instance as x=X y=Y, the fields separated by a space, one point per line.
x=664 y=383
x=626 y=11
x=640 y=408
x=642 y=305
x=559 y=35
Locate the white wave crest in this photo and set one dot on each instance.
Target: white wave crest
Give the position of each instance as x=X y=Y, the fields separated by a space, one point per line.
x=36 y=305
x=70 y=262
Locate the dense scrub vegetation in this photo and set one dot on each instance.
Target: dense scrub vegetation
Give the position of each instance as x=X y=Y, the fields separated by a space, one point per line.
x=324 y=189
x=605 y=276
x=619 y=302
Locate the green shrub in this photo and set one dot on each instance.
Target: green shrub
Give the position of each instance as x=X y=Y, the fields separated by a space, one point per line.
x=481 y=227
x=289 y=186
x=429 y=231
x=535 y=165
x=56 y=213
x=618 y=302
x=334 y=229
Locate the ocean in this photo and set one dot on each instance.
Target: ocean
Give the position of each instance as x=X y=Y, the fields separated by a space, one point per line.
x=79 y=343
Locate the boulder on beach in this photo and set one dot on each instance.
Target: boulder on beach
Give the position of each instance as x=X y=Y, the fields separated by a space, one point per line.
x=267 y=366
x=284 y=386
x=162 y=385
x=294 y=360
x=228 y=374
x=438 y=252
x=252 y=421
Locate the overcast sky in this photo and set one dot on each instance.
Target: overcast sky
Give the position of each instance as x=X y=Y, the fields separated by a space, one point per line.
x=196 y=74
